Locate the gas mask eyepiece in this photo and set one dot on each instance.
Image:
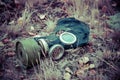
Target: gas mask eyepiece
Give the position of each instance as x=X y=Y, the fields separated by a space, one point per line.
x=56 y=51
x=67 y=38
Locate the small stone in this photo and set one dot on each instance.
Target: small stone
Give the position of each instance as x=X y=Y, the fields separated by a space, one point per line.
x=42 y=16
x=99 y=44
x=67 y=69
x=80 y=72
x=20 y=21
x=80 y=62
x=17 y=66
x=32 y=28
x=86 y=67
x=96 y=22
x=31 y=33
x=92 y=66
x=118 y=53
x=12 y=22
x=85 y=59
x=1 y=44
x=37 y=36
x=67 y=76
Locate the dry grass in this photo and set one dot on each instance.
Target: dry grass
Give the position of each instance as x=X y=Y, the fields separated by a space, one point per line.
x=50 y=24
x=84 y=10
x=22 y=24
x=48 y=71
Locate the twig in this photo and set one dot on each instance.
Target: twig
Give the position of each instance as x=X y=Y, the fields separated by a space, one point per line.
x=105 y=62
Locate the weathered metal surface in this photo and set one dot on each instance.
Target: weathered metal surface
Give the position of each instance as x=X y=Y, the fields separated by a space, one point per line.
x=28 y=51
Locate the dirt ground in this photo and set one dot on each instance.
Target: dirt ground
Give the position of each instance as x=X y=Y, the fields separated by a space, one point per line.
x=103 y=49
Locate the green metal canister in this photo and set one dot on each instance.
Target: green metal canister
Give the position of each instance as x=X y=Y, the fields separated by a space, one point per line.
x=28 y=51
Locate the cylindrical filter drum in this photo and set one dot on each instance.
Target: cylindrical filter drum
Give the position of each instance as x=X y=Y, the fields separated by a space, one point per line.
x=28 y=51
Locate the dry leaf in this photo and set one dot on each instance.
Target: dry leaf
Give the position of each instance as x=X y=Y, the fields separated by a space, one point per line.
x=32 y=28
x=67 y=76
x=85 y=67
x=12 y=22
x=91 y=66
x=85 y=59
x=42 y=16
x=20 y=21
x=1 y=44
x=67 y=69
x=80 y=72
x=31 y=34
x=80 y=62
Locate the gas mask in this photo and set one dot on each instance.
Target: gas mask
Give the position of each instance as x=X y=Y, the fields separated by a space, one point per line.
x=69 y=33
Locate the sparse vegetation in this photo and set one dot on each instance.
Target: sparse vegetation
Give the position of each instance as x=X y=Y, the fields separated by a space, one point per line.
x=103 y=49
x=48 y=71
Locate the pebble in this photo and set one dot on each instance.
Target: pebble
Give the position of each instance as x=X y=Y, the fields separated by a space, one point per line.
x=67 y=69
x=42 y=16
x=67 y=76
x=32 y=28
x=20 y=21
x=85 y=59
x=80 y=62
x=91 y=66
x=80 y=72
x=1 y=44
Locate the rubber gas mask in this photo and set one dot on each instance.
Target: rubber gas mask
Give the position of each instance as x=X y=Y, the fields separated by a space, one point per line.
x=69 y=33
